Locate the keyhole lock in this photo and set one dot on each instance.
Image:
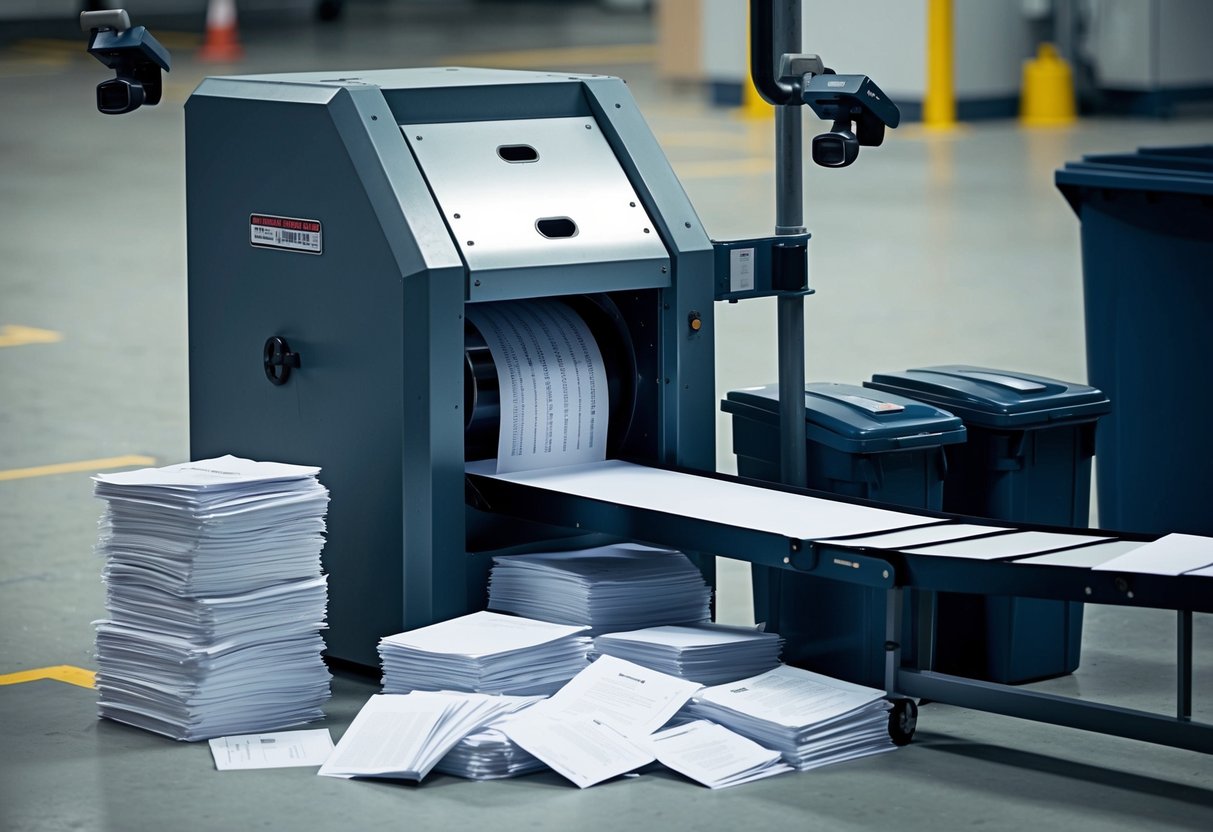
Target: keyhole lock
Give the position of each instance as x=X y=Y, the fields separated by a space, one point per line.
x=278 y=360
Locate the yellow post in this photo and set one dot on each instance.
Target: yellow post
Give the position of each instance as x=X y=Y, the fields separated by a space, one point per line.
x=752 y=105
x=939 y=104
x=1047 y=99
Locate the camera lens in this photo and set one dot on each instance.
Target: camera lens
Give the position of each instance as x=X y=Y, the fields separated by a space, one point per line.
x=118 y=95
x=829 y=150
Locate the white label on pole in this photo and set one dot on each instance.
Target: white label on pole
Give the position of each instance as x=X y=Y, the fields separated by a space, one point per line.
x=741 y=270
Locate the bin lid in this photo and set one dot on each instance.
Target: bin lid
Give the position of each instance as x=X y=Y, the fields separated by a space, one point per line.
x=1180 y=170
x=854 y=419
x=997 y=398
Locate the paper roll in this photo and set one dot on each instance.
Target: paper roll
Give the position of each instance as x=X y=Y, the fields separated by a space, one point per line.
x=552 y=383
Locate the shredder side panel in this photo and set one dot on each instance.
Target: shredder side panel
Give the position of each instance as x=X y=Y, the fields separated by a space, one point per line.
x=688 y=356
x=352 y=313
x=435 y=581
x=688 y=363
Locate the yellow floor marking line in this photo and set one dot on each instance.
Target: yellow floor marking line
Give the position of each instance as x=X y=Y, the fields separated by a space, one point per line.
x=60 y=673
x=84 y=466
x=15 y=335
x=558 y=57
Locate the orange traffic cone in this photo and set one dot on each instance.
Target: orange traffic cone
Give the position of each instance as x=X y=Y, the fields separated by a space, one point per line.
x=222 y=44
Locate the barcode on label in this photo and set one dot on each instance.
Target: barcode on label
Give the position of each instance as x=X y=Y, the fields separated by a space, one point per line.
x=286 y=233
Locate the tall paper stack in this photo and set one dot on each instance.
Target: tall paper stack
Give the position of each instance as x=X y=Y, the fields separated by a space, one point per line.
x=215 y=596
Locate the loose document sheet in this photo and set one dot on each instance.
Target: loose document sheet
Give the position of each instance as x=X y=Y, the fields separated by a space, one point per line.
x=715 y=756
x=707 y=498
x=282 y=749
x=920 y=536
x=552 y=383
x=1006 y=545
x=481 y=634
x=1175 y=554
x=1086 y=557
x=220 y=472
x=792 y=698
x=593 y=729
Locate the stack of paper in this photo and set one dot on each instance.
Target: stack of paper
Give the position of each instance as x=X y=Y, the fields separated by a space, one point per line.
x=484 y=652
x=404 y=737
x=611 y=588
x=709 y=654
x=812 y=719
x=715 y=756
x=213 y=585
x=488 y=754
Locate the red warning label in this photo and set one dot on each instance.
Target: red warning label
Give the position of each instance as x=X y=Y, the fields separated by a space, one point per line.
x=286 y=233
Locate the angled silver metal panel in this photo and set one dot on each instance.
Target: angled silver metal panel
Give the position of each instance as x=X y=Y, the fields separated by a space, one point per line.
x=540 y=200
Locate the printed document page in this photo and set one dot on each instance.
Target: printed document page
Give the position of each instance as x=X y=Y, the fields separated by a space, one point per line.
x=583 y=749
x=632 y=698
x=715 y=756
x=592 y=729
x=283 y=749
x=792 y=697
x=552 y=384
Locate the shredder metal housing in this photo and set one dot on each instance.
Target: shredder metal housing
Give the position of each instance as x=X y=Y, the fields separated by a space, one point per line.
x=354 y=216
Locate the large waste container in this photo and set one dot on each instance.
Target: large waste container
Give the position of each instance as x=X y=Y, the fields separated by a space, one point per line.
x=860 y=443
x=1027 y=459
x=1147 y=260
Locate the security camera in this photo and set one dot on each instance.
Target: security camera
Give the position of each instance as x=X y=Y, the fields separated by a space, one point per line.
x=858 y=110
x=135 y=56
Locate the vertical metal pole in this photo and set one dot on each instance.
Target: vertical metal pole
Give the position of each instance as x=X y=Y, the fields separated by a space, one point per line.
x=789 y=219
x=894 y=601
x=1183 y=699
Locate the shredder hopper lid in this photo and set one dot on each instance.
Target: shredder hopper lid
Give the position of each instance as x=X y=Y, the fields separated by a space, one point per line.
x=854 y=419
x=997 y=398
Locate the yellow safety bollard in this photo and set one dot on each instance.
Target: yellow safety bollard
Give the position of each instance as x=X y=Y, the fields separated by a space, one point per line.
x=1047 y=97
x=939 y=103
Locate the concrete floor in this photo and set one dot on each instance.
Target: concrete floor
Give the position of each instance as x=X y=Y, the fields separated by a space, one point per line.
x=934 y=248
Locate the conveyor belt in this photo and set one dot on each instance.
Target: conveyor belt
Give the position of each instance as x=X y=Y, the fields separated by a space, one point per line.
x=863 y=543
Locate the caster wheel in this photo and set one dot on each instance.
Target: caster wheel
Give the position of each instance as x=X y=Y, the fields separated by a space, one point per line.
x=903 y=719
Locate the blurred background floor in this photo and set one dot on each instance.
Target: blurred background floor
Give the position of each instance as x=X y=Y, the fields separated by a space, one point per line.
x=936 y=248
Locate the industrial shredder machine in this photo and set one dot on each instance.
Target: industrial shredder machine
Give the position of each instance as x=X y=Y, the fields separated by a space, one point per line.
x=340 y=226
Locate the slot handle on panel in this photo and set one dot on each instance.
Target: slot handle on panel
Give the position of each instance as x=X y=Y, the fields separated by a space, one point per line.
x=517 y=154
x=556 y=228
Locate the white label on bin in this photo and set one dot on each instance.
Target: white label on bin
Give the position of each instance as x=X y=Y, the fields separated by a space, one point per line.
x=741 y=270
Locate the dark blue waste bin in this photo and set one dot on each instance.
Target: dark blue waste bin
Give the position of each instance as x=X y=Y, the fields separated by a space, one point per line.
x=1147 y=260
x=860 y=443
x=1027 y=459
